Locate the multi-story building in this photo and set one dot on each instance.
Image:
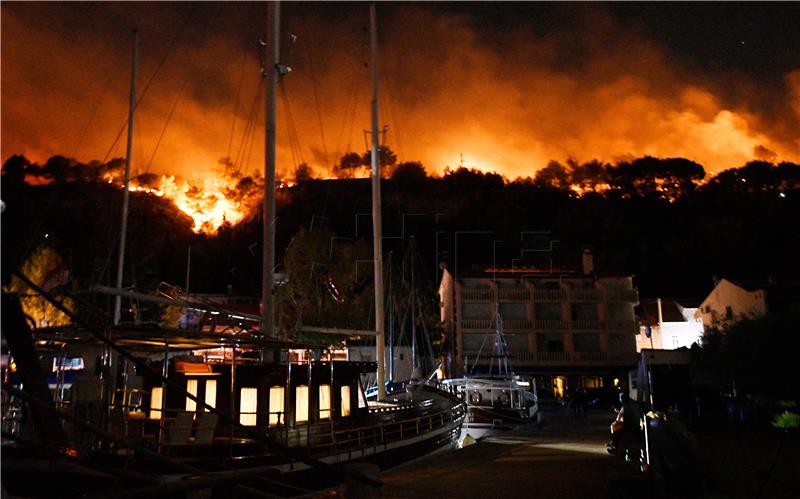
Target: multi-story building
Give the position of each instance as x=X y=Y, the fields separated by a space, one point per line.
x=567 y=329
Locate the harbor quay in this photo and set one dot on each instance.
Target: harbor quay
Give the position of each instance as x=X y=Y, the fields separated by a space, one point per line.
x=566 y=457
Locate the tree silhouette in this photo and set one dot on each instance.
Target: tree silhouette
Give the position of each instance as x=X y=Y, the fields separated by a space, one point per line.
x=552 y=176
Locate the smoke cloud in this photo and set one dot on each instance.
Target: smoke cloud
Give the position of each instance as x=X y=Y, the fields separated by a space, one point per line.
x=508 y=98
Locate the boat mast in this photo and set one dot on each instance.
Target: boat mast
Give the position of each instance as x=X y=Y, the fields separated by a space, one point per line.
x=376 y=210
x=268 y=263
x=126 y=192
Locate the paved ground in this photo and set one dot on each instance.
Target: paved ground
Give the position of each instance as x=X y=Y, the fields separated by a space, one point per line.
x=565 y=458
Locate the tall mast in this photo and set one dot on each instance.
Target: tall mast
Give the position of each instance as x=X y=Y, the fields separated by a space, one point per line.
x=376 y=210
x=268 y=264
x=126 y=192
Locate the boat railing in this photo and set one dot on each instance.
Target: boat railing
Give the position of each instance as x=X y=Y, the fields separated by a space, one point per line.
x=388 y=431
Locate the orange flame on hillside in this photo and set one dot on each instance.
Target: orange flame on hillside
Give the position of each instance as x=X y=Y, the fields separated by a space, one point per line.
x=229 y=198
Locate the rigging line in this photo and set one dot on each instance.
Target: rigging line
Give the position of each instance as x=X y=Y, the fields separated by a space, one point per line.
x=391 y=101
x=92 y=116
x=253 y=128
x=351 y=94
x=312 y=65
x=290 y=122
x=353 y=117
x=236 y=106
x=171 y=45
x=166 y=124
x=248 y=126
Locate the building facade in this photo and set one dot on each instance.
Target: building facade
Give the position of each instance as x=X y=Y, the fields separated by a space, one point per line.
x=732 y=300
x=666 y=325
x=567 y=329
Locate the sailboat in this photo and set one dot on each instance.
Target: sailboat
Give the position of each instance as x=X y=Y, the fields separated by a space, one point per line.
x=238 y=412
x=497 y=400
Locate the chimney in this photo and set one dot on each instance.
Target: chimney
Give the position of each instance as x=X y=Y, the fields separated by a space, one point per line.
x=588 y=262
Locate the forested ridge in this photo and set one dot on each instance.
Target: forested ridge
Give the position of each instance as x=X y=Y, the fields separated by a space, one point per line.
x=664 y=221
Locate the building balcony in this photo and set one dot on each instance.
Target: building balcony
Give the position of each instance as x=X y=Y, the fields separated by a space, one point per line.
x=477 y=295
x=589 y=356
x=513 y=294
x=517 y=325
x=622 y=295
x=621 y=326
x=557 y=359
x=477 y=324
x=588 y=295
x=549 y=325
x=582 y=325
x=556 y=295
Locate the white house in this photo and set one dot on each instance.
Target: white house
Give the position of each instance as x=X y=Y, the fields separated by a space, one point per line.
x=666 y=325
x=732 y=300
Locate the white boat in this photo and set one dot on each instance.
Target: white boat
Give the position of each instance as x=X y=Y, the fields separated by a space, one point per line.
x=497 y=400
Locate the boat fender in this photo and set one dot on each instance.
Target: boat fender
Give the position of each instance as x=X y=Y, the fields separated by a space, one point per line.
x=475 y=398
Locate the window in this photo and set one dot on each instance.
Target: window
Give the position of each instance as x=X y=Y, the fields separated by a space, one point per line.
x=248 y=402
x=156 y=402
x=301 y=404
x=211 y=393
x=345 y=393
x=586 y=342
x=324 y=401
x=547 y=311
x=728 y=312
x=191 y=387
x=592 y=382
x=275 y=405
x=550 y=342
x=584 y=312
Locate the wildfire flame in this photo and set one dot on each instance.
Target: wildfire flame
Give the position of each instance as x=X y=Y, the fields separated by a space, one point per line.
x=218 y=199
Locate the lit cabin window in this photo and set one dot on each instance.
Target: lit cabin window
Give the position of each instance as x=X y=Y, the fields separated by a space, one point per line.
x=211 y=393
x=275 y=405
x=345 y=392
x=248 y=401
x=191 y=387
x=301 y=404
x=156 y=395
x=324 y=401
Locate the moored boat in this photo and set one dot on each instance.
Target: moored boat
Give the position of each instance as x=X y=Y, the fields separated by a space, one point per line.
x=497 y=400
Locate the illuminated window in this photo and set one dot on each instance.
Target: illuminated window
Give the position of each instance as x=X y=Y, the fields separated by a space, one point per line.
x=211 y=393
x=301 y=404
x=191 y=387
x=345 y=400
x=591 y=382
x=324 y=401
x=156 y=395
x=275 y=405
x=248 y=401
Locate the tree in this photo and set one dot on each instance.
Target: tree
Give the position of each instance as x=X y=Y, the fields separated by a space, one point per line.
x=758 y=355
x=409 y=173
x=348 y=165
x=552 y=176
x=591 y=176
x=46 y=269
x=303 y=173
x=327 y=285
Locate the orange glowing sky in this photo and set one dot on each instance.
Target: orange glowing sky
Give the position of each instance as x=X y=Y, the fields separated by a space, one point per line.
x=541 y=82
